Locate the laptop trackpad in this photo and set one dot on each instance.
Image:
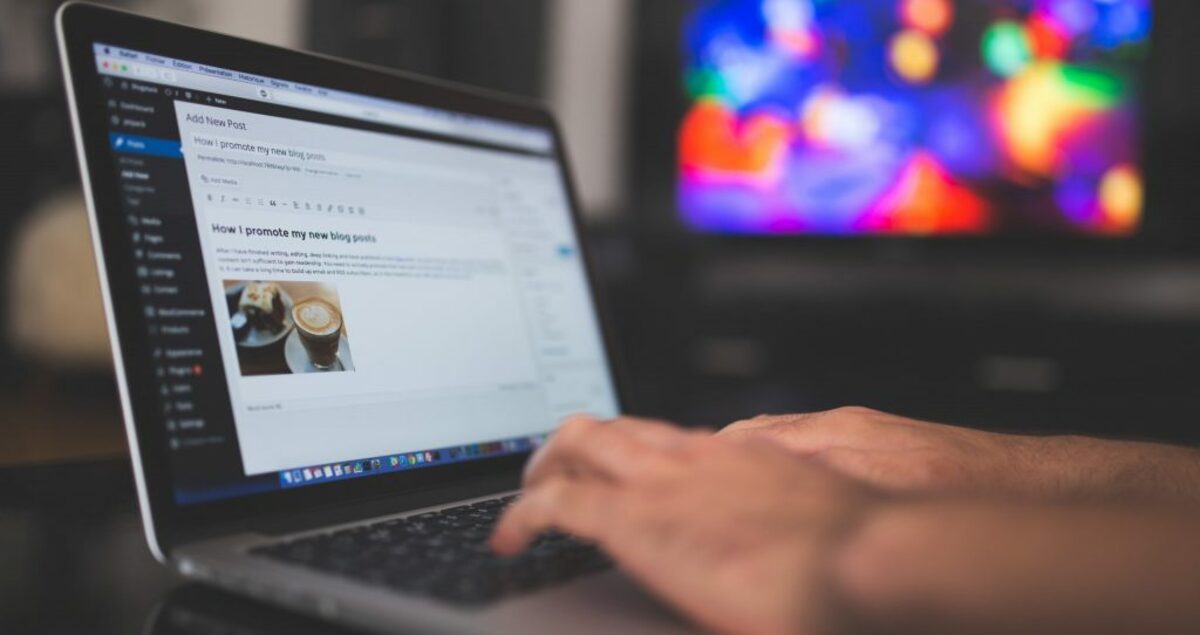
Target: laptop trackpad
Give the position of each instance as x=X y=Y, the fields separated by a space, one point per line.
x=605 y=603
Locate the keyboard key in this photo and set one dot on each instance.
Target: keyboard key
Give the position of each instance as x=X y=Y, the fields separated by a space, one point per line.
x=442 y=555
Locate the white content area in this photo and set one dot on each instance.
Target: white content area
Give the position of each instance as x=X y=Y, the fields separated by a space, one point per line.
x=459 y=279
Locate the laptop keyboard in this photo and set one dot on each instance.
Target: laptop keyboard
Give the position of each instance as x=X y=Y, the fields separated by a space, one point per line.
x=443 y=555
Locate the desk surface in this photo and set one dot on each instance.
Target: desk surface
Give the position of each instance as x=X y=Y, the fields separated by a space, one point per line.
x=73 y=560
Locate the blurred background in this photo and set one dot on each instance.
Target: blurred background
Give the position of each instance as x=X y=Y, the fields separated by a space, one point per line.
x=976 y=211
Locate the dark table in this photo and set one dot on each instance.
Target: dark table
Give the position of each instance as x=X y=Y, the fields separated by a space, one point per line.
x=73 y=559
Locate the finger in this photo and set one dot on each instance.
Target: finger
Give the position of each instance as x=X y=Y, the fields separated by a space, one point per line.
x=614 y=451
x=570 y=426
x=659 y=434
x=580 y=507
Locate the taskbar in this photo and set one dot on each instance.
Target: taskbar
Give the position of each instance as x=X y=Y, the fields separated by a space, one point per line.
x=404 y=461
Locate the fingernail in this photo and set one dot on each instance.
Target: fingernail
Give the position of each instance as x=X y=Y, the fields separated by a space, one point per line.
x=533 y=460
x=503 y=545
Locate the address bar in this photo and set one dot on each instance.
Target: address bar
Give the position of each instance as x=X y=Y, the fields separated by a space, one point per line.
x=405 y=120
x=335 y=107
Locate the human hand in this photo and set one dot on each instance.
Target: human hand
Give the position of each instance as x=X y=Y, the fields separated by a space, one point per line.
x=900 y=454
x=903 y=454
x=737 y=536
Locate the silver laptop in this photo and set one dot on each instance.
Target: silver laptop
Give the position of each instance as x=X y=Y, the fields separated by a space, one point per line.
x=345 y=305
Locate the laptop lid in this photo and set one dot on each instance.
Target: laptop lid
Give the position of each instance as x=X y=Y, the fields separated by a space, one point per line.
x=325 y=282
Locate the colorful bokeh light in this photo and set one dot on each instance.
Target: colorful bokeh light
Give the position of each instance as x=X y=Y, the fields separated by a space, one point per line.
x=914 y=56
x=1040 y=106
x=1121 y=198
x=931 y=16
x=1007 y=48
x=914 y=117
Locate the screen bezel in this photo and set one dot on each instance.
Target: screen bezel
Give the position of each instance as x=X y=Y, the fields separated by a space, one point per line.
x=83 y=24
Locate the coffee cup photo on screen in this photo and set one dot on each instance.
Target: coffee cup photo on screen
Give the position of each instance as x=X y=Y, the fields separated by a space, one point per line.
x=285 y=328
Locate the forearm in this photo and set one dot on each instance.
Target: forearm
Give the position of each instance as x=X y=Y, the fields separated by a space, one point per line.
x=1098 y=470
x=980 y=568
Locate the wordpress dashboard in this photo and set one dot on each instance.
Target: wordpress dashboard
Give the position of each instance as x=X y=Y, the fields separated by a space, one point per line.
x=331 y=277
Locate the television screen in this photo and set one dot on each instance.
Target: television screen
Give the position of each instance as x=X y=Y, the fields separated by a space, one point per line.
x=913 y=117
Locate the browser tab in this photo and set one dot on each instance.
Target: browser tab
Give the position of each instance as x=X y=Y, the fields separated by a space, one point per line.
x=217 y=72
x=253 y=79
x=190 y=75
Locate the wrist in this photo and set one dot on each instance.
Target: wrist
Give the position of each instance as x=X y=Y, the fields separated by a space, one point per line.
x=1086 y=468
x=1058 y=467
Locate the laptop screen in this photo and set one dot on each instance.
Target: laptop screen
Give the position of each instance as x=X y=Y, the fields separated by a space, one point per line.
x=336 y=286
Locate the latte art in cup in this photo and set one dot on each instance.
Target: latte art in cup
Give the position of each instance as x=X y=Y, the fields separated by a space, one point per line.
x=317 y=317
x=319 y=325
